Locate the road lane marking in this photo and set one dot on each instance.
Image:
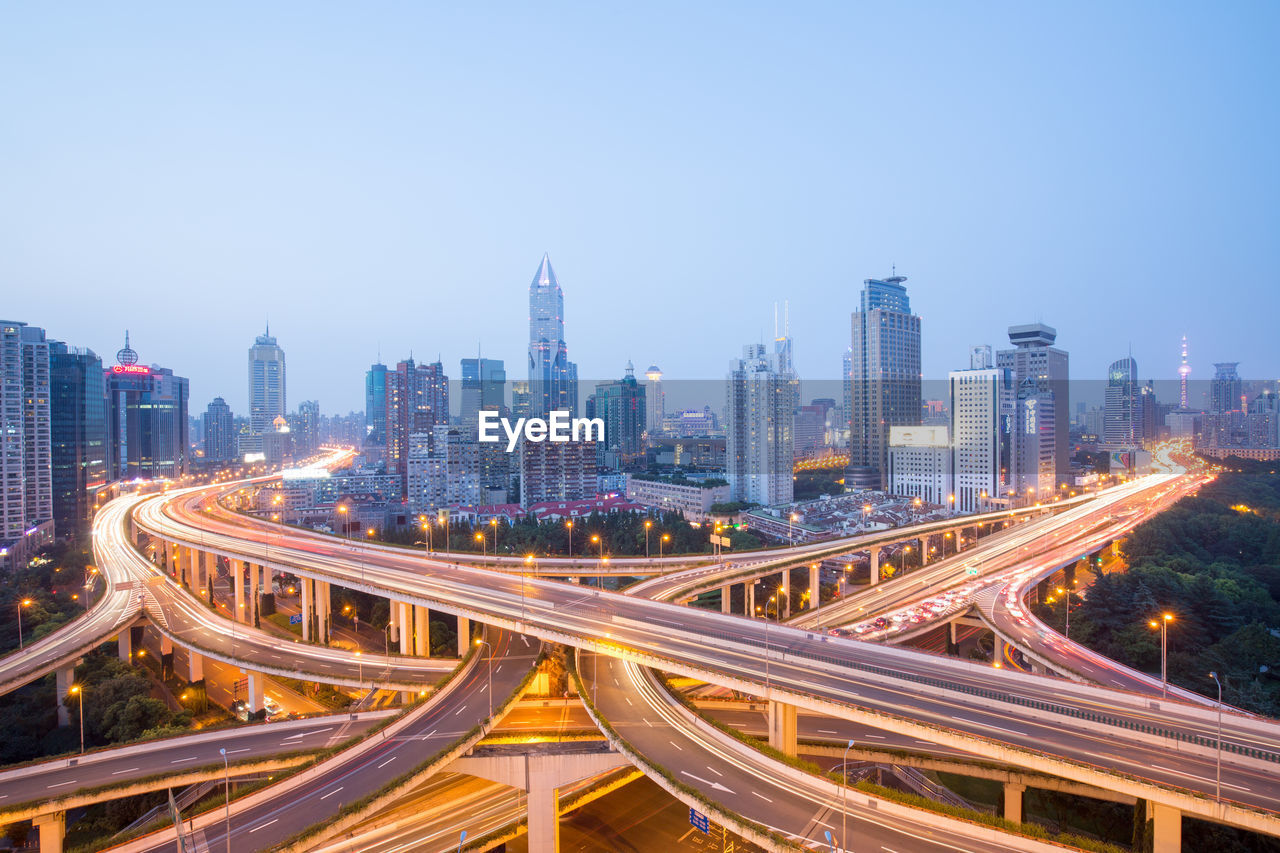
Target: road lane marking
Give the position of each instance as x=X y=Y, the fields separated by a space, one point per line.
x=118 y=772
x=241 y=749
x=265 y=825
x=188 y=758
x=1194 y=776
x=388 y=761
x=762 y=796
x=676 y=745
x=715 y=771
x=60 y=784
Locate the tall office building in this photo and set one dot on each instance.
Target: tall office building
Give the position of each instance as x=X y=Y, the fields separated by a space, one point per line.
x=846 y=387
x=147 y=424
x=484 y=384
x=266 y=384
x=26 y=463
x=884 y=375
x=621 y=404
x=655 y=401
x=1226 y=389
x=553 y=379
x=981 y=404
x=304 y=425
x=1122 y=415
x=760 y=437
x=521 y=399
x=219 y=433
x=1040 y=379
x=375 y=409
x=443 y=470
x=78 y=407
x=417 y=400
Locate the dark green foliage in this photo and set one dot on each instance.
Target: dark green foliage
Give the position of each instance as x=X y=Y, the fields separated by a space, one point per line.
x=1214 y=565
x=49 y=582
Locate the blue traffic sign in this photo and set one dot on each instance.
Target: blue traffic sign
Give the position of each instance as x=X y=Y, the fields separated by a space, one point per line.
x=295 y=620
x=699 y=820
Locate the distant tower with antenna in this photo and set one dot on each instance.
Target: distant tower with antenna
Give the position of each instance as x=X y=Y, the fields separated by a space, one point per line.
x=1184 y=370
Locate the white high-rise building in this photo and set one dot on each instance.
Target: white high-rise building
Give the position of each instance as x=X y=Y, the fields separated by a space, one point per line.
x=26 y=448
x=443 y=470
x=981 y=402
x=266 y=384
x=1122 y=414
x=760 y=429
x=655 y=401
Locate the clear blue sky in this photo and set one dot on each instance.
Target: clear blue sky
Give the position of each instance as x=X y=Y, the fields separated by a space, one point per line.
x=388 y=175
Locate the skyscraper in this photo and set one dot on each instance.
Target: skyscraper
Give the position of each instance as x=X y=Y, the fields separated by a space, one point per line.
x=147 y=423
x=26 y=476
x=760 y=437
x=484 y=383
x=266 y=383
x=78 y=407
x=981 y=403
x=1122 y=415
x=655 y=401
x=375 y=412
x=1040 y=379
x=219 y=433
x=621 y=403
x=417 y=400
x=1226 y=390
x=553 y=379
x=304 y=425
x=884 y=376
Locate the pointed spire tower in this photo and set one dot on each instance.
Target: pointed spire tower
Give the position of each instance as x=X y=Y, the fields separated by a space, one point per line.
x=553 y=379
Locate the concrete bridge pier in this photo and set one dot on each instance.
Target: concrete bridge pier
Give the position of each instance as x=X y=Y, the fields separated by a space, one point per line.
x=256 y=695
x=52 y=828
x=783 y=735
x=784 y=594
x=1168 y=828
x=405 y=626
x=874 y=554
x=195 y=666
x=725 y=600
x=815 y=585
x=464 y=643
x=1013 y=792
x=304 y=595
x=237 y=590
x=65 y=677
x=421 y=632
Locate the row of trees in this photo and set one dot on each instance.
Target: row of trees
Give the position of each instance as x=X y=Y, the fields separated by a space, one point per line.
x=48 y=593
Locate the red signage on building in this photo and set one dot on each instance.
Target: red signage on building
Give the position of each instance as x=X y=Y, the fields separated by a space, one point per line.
x=133 y=369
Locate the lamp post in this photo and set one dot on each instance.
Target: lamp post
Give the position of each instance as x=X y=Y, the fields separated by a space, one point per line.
x=666 y=537
x=484 y=549
x=1218 y=778
x=791 y=534
x=647 y=524
x=226 y=795
x=569 y=524
x=773 y=599
x=26 y=602
x=493 y=522
x=1163 y=624
x=444 y=522
x=359 y=670
x=844 y=798
x=79 y=694
x=480 y=642
x=1067 y=600
x=528 y=561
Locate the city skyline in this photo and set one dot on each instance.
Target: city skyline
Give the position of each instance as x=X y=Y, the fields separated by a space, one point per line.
x=981 y=187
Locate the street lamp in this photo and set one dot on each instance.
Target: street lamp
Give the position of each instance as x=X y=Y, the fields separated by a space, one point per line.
x=359 y=670
x=569 y=524
x=79 y=694
x=647 y=524
x=791 y=536
x=26 y=602
x=342 y=510
x=773 y=599
x=493 y=522
x=484 y=548
x=666 y=537
x=844 y=798
x=226 y=775
x=1067 y=599
x=480 y=642
x=902 y=563
x=1163 y=624
x=1218 y=785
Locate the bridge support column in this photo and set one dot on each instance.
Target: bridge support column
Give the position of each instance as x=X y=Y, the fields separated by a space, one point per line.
x=421 y=632
x=124 y=644
x=1013 y=801
x=544 y=815
x=725 y=600
x=52 y=829
x=784 y=594
x=405 y=627
x=924 y=551
x=323 y=605
x=953 y=642
x=464 y=642
x=998 y=650
x=256 y=682
x=64 y=678
x=254 y=593
x=304 y=595
x=815 y=585
x=1167 y=837
x=204 y=569
x=875 y=565
x=749 y=598
x=782 y=727
x=195 y=666
x=237 y=590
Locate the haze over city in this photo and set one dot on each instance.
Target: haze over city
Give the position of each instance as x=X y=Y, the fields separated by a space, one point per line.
x=388 y=182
